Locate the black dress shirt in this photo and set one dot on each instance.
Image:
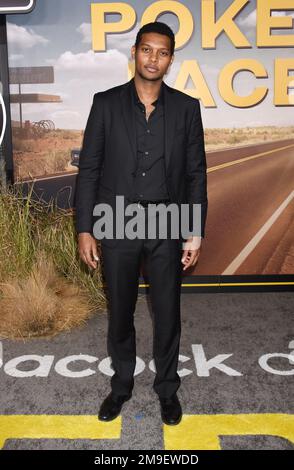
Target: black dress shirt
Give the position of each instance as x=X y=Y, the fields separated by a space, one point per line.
x=150 y=176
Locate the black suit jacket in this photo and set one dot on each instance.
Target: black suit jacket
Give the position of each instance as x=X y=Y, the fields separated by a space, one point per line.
x=108 y=156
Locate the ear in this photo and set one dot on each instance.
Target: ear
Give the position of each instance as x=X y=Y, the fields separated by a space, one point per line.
x=133 y=51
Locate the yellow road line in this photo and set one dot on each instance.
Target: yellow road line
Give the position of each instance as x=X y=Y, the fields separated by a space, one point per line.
x=202 y=432
x=57 y=427
x=242 y=160
x=194 y=432
x=217 y=284
x=290 y=283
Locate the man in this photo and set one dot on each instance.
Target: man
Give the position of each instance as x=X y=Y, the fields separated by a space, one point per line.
x=144 y=141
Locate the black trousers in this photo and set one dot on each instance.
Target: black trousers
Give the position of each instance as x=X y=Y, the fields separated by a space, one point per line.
x=121 y=264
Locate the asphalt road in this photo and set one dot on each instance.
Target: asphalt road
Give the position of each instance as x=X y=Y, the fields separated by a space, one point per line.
x=245 y=188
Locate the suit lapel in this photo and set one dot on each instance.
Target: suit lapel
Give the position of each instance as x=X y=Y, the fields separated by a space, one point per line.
x=169 y=121
x=130 y=124
x=129 y=118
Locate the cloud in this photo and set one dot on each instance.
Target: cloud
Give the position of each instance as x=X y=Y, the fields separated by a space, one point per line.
x=85 y=30
x=282 y=13
x=84 y=63
x=121 y=41
x=16 y=57
x=174 y=70
x=249 y=21
x=24 y=38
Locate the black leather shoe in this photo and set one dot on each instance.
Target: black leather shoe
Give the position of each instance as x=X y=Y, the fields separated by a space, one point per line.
x=171 y=411
x=111 y=407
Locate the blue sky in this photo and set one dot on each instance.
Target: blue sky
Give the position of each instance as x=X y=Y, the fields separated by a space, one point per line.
x=58 y=33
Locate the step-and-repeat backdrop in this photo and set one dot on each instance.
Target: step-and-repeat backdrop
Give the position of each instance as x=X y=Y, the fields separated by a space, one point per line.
x=235 y=56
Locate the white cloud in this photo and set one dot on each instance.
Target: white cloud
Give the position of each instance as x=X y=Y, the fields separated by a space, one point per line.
x=85 y=30
x=282 y=13
x=15 y=57
x=171 y=77
x=24 y=38
x=249 y=21
x=121 y=41
x=84 y=63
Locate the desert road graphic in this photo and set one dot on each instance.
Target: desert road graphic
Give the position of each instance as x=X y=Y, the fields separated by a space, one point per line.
x=250 y=215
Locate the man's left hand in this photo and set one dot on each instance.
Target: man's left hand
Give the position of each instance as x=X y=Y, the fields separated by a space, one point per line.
x=191 y=252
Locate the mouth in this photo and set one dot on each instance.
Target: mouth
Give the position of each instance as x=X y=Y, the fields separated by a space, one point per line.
x=151 y=69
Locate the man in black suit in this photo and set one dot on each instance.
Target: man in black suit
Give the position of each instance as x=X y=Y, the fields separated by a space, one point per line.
x=143 y=141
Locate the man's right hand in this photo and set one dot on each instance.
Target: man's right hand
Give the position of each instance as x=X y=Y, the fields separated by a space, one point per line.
x=88 y=249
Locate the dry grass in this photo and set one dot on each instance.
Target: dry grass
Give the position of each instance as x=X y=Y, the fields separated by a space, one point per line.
x=43 y=304
x=44 y=155
x=44 y=287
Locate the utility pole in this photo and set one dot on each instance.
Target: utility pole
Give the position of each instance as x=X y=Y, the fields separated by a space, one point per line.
x=3 y=176
x=6 y=160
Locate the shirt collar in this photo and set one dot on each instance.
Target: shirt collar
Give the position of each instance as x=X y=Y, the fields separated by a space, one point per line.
x=160 y=98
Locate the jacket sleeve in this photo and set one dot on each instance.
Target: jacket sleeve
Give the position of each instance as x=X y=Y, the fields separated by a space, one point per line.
x=196 y=166
x=90 y=165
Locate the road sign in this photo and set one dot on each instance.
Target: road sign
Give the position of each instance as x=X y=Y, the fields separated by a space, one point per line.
x=34 y=98
x=16 y=6
x=20 y=75
x=24 y=75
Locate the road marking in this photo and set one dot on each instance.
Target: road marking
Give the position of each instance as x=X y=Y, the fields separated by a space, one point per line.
x=57 y=427
x=234 y=265
x=218 y=284
x=202 y=432
x=244 y=159
x=199 y=432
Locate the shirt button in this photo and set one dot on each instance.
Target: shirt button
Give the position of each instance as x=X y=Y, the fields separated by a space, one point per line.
x=146 y=153
x=143 y=174
x=148 y=130
x=141 y=195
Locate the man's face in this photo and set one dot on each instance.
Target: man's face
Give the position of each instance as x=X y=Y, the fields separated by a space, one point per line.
x=153 y=56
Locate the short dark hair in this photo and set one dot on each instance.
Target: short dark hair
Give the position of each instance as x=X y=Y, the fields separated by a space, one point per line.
x=157 y=27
